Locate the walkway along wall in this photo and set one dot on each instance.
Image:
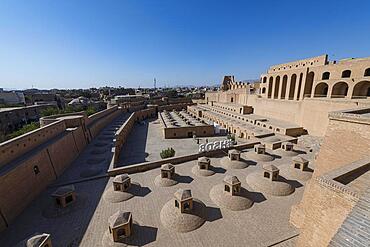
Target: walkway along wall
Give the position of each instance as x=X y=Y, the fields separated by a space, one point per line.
x=96 y=122
x=123 y=132
x=29 y=163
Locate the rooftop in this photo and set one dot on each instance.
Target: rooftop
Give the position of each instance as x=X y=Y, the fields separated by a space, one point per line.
x=182 y=194
x=231 y=180
x=119 y=218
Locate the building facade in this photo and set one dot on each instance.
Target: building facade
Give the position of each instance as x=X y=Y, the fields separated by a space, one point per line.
x=14 y=118
x=317 y=77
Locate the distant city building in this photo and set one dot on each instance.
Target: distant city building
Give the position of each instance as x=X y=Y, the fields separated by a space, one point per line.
x=80 y=101
x=12 y=98
x=14 y=118
x=39 y=98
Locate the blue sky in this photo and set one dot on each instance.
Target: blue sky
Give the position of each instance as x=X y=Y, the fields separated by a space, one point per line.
x=81 y=44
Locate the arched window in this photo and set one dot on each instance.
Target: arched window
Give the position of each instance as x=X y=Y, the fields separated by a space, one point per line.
x=326 y=75
x=367 y=72
x=232 y=100
x=264 y=90
x=346 y=74
x=264 y=79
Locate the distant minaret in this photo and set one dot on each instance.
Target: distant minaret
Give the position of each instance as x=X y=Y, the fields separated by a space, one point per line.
x=155 y=83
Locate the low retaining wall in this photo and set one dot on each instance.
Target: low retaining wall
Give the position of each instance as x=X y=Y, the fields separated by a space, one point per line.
x=114 y=171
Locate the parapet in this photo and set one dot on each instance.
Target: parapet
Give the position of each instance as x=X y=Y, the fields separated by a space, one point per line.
x=341 y=189
x=303 y=63
x=360 y=115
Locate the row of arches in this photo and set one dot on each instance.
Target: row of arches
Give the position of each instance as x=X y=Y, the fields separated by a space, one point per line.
x=294 y=90
x=341 y=89
x=326 y=75
x=280 y=91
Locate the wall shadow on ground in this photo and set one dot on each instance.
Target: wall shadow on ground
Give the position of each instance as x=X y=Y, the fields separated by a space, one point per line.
x=133 y=151
x=67 y=229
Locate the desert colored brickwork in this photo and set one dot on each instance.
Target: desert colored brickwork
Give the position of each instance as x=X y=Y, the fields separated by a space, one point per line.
x=295 y=171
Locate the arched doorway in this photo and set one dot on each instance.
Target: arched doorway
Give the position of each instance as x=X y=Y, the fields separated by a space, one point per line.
x=283 y=86
x=269 y=92
x=308 y=85
x=292 y=86
x=276 y=90
x=361 y=90
x=321 y=90
x=340 y=90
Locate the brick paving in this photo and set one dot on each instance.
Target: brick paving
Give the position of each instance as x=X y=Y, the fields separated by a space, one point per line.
x=355 y=230
x=265 y=223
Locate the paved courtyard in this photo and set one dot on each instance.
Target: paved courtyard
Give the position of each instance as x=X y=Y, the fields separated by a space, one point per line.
x=146 y=142
x=265 y=223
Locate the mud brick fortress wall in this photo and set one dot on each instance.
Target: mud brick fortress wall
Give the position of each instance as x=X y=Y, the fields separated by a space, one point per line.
x=316 y=94
x=305 y=91
x=337 y=184
x=29 y=163
x=327 y=202
x=310 y=113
